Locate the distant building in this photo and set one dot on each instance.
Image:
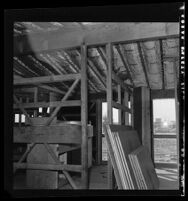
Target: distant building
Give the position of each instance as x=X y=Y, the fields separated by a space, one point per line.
x=158 y=123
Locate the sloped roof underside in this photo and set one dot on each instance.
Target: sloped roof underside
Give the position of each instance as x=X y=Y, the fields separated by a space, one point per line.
x=151 y=63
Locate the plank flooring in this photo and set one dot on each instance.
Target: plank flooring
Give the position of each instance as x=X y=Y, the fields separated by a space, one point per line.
x=168 y=179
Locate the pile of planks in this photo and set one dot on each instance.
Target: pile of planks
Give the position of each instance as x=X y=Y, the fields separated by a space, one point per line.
x=143 y=168
x=120 y=143
x=132 y=164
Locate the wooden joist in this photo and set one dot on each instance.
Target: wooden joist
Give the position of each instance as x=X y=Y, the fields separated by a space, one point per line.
x=122 y=107
x=54 y=167
x=46 y=79
x=69 y=103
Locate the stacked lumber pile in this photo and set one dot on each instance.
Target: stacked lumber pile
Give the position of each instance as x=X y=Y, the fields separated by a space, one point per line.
x=133 y=167
x=143 y=168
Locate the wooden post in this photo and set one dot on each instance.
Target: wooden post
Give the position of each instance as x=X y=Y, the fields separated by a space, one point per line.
x=109 y=107
x=35 y=100
x=84 y=117
x=126 y=99
x=132 y=110
x=99 y=131
x=119 y=101
x=20 y=114
x=142 y=115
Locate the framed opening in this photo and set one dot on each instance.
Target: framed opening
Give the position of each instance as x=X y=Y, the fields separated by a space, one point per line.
x=164 y=133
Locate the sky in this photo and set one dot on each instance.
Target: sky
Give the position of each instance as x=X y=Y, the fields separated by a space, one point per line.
x=164 y=109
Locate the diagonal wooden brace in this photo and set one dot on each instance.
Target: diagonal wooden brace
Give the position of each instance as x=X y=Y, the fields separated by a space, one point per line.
x=30 y=147
x=63 y=99
x=68 y=177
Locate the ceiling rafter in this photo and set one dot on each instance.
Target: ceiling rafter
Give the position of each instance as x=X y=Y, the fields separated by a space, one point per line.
x=125 y=63
x=94 y=71
x=144 y=62
x=74 y=66
x=103 y=56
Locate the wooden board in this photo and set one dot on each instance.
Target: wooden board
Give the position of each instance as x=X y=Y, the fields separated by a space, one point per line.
x=136 y=173
x=144 y=165
x=59 y=133
x=48 y=134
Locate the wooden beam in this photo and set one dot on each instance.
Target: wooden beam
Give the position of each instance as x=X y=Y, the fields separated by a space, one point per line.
x=54 y=89
x=142 y=115
x=162 y=65
x=102 y=54
x=109 y=57
x=91 y=106
x=132 y=110
x=48 y=134
x=96 y=72
x=29 y=148
x=144 y=63
x=69 y=103
x=164 y=136
x=84 y=117
x=160 y=94
x=125 y=63
x=35 y=100
x=121 y=107
x=55 y=158
x=119 y=81
x=119 y=101
x=73 y=168
x=110 y=33
x=99 y=131
x=126 y=99
x=46 y=79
